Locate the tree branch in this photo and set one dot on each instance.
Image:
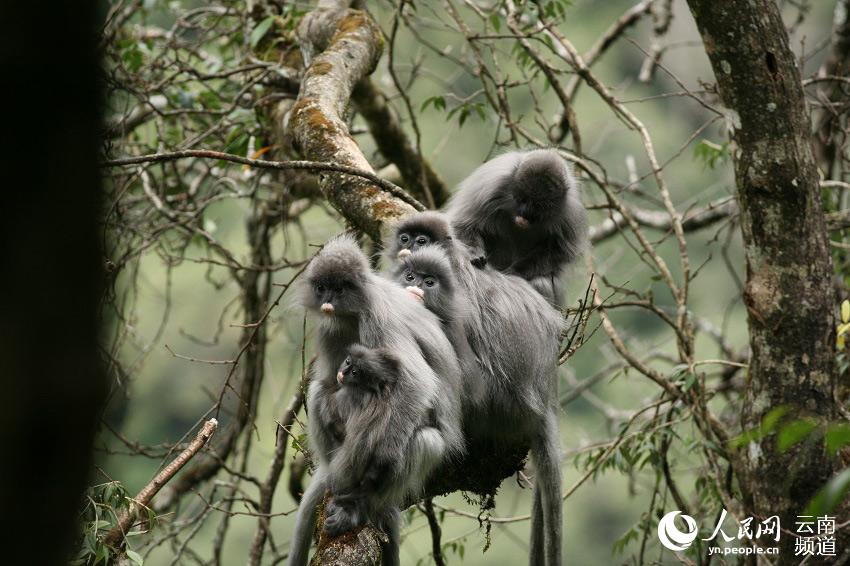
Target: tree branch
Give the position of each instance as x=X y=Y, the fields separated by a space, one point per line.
x=317 y=117
x=394 y=144
x=116 y=536
x=255 y=554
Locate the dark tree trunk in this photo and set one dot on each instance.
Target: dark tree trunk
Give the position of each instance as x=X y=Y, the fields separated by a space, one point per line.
x=52 y=383
x=789 y=296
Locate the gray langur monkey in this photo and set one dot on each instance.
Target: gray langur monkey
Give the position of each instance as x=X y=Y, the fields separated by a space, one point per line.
x=427 y=273
x=375 y=405
x=515 y=335
x=356 y=306
x=521 y=212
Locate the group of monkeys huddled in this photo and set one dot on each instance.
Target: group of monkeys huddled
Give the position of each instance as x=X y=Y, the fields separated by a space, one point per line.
x=456 y=344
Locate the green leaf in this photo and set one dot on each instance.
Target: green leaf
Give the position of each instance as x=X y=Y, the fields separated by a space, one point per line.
x=845 y=311
x=135 y=557
x=496 y=21
x=769 y=421
x=837 y=436
x=829 y=495
x=133 y=58
x=261 y=30
x=794 y=432
x=438 y=101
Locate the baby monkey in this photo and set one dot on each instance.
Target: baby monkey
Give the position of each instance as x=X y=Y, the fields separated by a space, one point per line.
x=366 y=377
x=374 y=402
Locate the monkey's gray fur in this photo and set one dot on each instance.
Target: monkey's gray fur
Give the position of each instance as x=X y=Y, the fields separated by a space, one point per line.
x=356 y=306
x=428 y=274
x=522 y=211
x=374 y=404
x=515 y=335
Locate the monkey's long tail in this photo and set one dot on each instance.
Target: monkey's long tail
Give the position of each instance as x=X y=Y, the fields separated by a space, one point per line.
x=305 y=521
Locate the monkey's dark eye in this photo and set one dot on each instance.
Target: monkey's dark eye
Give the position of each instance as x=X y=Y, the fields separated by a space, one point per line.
x=408 y=276
x=422 y=240
x=404 y=238
x=429 y=282
x=320 y=288
x=347 y=361
x=353 y=371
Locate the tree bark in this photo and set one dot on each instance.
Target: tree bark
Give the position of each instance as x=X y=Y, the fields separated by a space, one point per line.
x=353 y=46
x=788 y=294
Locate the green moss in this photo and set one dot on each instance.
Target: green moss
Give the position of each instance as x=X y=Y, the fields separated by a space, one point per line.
x=320 y=68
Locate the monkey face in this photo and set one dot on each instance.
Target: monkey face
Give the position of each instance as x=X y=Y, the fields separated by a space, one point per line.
x=337 y=295
x=419 y=231
x=420 y=285
x=537 y=203
x=409 y=242
x=368 y=369
x=335 y=281
x=348 y=373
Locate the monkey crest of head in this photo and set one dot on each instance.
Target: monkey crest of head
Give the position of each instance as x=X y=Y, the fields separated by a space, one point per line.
x=336 y=279
x=373 y=370
x=418 y=231
x=541 y=181
x=427 y=274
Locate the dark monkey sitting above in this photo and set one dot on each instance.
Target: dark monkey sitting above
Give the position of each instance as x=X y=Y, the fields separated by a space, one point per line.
x=522 y=211
x=356 y=306
x=515 y=335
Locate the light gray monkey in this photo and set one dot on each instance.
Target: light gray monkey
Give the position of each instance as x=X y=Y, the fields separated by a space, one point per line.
x=515 y=335
x=521 y=212
x=428 y=274
x=356 y=306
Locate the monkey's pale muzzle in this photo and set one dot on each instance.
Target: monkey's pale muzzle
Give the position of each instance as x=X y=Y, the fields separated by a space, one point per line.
x=521 y=221
x=403 y=253
x=339 y=377
x=416 y=292
x=327 y=308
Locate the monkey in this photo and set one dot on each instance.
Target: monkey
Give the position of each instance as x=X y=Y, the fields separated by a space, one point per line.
x=427 y=274
x=521 y=212
x=515 y=334
x=353 y=305
x=376 y=423
x=415 y=232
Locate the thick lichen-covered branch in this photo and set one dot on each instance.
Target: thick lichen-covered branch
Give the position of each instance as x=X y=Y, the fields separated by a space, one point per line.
x=317 y=118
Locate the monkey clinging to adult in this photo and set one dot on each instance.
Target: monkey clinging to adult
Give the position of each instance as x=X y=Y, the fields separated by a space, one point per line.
x=353 y=305
x=515 y=335
x=375 y=404
x=521 y=212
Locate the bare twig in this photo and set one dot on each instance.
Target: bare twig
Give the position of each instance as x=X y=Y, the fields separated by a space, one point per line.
x=116 y=535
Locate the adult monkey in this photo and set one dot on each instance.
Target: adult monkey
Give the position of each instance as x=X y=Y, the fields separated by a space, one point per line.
x=521 y=212
x=429 y=276
x=515 y=335
x=356 y=306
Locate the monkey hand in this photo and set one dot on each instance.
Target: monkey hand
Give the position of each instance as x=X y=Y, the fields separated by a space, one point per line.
x=341 y=517
x=480 y=261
